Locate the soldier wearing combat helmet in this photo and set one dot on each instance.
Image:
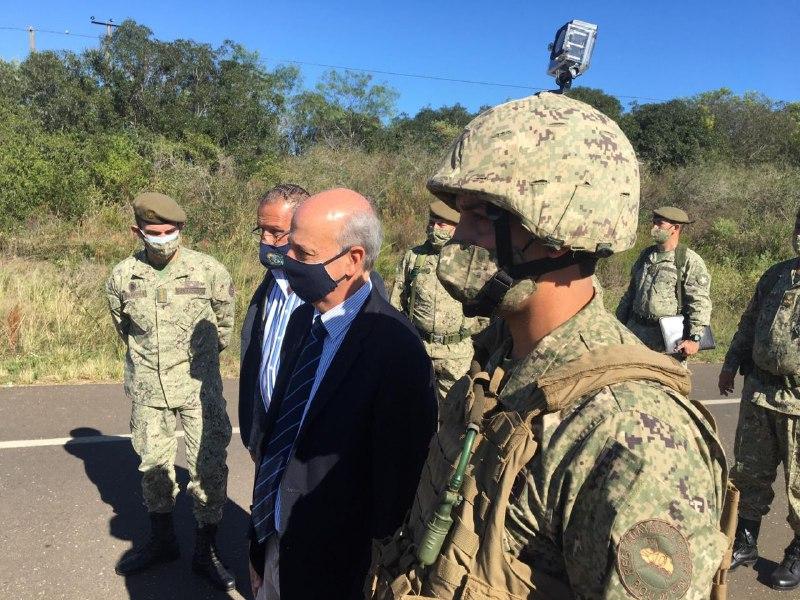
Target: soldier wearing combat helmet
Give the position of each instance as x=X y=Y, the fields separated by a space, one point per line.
x=173 y=309
x=765 y=350
x=668 y=279
x=445 y=331
x=570 y=463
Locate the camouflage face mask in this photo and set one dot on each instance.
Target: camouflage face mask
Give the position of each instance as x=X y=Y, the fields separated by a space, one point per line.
x=162 y=247
x=659 y=235
x=471 y=275
x=438 y=237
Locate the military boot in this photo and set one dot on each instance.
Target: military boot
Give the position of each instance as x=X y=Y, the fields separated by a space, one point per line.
x=206 y=562
x=745 y=550
x=787 y=574
x=161 y=547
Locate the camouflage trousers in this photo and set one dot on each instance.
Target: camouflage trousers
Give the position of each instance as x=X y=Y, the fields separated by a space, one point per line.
x=447 y=371
x=207 y=433
x=765 y=438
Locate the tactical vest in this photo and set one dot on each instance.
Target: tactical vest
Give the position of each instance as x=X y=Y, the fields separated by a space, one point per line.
x=466 y=557
x=411 y=291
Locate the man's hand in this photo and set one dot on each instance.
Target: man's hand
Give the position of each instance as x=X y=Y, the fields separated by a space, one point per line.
x=688 y=347
x=255 y=580
x=726 y=382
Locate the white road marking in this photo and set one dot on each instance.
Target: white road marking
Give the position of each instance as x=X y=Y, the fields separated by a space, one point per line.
x=721 y=401
x=72 y=441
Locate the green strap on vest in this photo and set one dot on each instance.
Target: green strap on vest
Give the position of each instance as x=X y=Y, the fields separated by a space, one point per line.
x=412 y=281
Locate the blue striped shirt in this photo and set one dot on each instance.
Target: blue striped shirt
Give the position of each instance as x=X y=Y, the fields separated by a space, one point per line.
x=337 y=323
x=277 y=309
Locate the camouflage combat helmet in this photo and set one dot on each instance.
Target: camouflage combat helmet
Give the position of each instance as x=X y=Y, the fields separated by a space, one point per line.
x=564 y=168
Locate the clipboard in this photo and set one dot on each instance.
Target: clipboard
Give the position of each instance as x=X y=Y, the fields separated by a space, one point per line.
x=672 y=332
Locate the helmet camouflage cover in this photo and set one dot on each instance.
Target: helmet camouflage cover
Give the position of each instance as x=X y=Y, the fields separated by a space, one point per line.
x=564 y=168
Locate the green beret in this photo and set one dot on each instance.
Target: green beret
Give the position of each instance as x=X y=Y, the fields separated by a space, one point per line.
x=673 y=215
x=441 y=210
x=157 y=209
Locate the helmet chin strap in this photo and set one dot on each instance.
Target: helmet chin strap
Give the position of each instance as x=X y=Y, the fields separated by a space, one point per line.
x=496 y=288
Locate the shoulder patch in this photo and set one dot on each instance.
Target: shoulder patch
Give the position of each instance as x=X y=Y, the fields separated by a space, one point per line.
x=654 y=561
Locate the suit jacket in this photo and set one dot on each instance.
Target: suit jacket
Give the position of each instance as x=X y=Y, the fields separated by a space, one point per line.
x=252 y=344
x=357 y=458
x=251 y=353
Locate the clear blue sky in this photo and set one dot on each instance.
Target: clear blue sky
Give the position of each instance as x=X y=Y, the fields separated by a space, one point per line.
x=650 y=49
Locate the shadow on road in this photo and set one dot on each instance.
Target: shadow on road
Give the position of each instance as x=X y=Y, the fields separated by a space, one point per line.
x=112 y=467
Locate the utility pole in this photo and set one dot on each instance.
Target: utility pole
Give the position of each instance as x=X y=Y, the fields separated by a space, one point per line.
x=109 y=25
x=31 y=39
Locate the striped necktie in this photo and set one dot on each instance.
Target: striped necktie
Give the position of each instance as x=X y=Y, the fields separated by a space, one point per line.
x=290 y=415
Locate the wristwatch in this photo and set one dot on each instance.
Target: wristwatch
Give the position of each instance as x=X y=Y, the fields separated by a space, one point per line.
x=696 y=337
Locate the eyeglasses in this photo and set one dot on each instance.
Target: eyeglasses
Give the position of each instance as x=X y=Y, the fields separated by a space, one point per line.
x=269 y=237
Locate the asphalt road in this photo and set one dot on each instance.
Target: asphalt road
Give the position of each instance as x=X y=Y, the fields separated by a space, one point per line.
x=70 y=500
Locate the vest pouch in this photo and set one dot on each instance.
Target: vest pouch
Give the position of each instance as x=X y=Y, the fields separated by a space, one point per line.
x=444 y=579
x=475 y=589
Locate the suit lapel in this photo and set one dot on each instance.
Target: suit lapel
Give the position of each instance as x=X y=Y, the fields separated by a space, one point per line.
x=348 y=354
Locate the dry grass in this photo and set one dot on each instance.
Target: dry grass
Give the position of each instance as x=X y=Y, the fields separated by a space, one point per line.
x=54 y=324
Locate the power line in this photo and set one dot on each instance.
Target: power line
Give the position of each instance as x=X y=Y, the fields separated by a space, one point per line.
x=375 y=71
x=67 y=32
x=441 y=78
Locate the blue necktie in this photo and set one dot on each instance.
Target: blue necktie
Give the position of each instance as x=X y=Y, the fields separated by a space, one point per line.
x=285 y=431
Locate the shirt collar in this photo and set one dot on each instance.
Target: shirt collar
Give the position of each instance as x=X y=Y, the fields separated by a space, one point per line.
x=337 y=320
x=281 y=282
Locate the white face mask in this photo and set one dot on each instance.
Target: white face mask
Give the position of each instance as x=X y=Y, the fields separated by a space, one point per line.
x=160 y=240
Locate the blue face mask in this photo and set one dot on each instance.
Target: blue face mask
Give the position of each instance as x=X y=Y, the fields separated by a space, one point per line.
x=310 y=282
x=265 y=249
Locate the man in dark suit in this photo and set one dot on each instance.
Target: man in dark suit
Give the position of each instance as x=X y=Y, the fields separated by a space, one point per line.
x=340 y=448
x=270 y=307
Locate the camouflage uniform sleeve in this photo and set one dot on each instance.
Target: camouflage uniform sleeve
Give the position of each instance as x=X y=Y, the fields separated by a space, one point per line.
x=741 y=349
x=646 y=512
x=222 y=302
x=114 y=297
x=623 y=311
x=697 y=295
x=396 y=298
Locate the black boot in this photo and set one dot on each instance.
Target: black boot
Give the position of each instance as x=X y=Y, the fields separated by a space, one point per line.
x=745 y=550
x=161 y=547
x=787 y=574
x=206 y=562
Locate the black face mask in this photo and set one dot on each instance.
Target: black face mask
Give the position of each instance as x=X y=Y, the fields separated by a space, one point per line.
x=310 y=282
x=264 y=250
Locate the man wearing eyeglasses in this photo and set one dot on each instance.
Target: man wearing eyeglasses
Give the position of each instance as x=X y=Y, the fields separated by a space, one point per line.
x=270 y=308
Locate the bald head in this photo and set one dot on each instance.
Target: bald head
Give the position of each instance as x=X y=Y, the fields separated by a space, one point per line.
x=334 y=220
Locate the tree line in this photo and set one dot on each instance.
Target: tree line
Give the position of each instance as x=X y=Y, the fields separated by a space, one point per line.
x=79 y=130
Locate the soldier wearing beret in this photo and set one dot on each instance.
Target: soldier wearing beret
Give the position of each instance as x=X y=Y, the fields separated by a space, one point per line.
x=667 y=279
x=439 y=319
x=173 y=308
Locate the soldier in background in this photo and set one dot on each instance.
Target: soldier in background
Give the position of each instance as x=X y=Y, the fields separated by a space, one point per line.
x=655 y=290
x=570 y=463
x=173 y=308
x=765 y=349
x=417 y=293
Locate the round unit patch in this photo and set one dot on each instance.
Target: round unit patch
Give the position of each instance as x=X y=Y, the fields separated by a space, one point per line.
x=654 y=561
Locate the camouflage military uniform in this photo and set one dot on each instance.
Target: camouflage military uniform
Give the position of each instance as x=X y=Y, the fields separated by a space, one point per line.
x=174 y=323
x=651 y=294
x=766 y=348
x=445 y=332
x=632 y=457
x=579 y=470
